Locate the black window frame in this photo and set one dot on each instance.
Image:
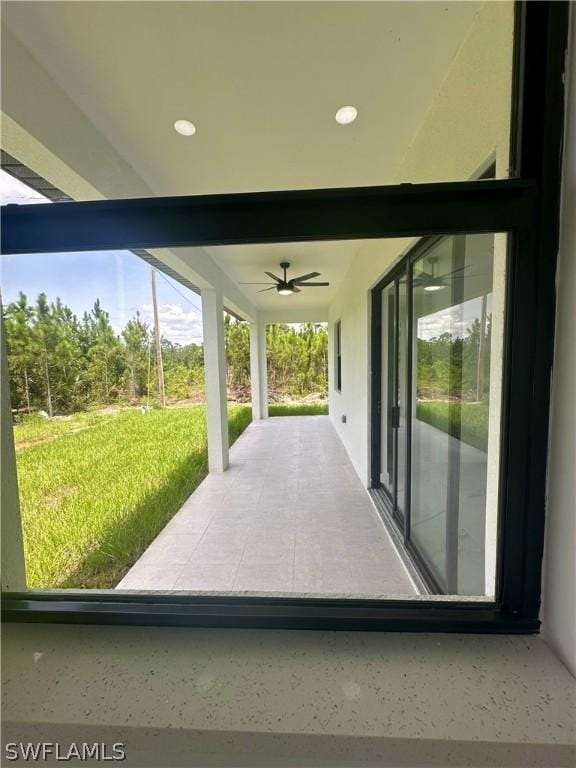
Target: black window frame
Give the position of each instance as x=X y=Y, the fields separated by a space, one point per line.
x=526 y=206
x=338 y=356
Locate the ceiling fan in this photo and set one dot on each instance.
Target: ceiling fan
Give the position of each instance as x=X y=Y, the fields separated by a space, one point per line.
x=432 y=282
x=286 y=287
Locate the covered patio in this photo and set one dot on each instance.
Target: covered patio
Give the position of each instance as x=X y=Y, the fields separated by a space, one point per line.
x=289 y=516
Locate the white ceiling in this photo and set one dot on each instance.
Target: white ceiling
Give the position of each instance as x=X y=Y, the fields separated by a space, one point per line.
x=247 y=263
x=261 y=81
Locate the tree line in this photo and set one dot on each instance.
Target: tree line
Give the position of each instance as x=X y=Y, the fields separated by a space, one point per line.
x=297 y=358
x=61 y=363
x=455 y=367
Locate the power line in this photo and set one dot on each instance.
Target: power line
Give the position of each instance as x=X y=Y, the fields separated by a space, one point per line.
x=163 y=276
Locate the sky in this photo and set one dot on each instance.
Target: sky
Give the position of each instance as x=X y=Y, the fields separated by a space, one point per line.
x=119 y=279
x=454 y=320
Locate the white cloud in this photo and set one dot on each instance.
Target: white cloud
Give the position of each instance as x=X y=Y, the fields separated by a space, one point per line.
x=455 y=320
x=176 y=324
x=432 y=326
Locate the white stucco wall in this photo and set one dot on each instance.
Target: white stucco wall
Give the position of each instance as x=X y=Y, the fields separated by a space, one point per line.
x=467 y=125
x=559 y=583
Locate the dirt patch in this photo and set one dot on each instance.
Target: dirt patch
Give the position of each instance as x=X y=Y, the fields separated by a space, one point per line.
x=198 y=399
x=111 y=410
x=23 y=444
x=54 y=498
x=315 y=398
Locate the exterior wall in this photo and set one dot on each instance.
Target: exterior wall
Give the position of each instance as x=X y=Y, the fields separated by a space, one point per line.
x=466 y=127
x=559 y=587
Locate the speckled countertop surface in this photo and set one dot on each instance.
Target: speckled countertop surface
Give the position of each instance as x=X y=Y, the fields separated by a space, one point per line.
x=369 y=684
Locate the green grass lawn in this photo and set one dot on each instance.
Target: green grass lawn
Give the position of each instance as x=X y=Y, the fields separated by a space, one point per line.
x=299 y=409
x=97 y=488
x=469 y=421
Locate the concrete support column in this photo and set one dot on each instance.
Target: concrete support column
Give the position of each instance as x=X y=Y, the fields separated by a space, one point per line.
x=13 y=570
x=215 y=379
x=258 y=370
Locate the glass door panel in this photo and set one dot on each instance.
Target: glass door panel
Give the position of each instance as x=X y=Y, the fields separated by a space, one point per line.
x=393 y=395
x=440 y=387
x=451 y=326
x=388 y=395
x=401 y=395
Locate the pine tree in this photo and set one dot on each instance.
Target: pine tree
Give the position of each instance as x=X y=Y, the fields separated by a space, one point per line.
x=137 y=341
x=43 y=324
x=67 y=361
x=22 y=350
x=106 y=363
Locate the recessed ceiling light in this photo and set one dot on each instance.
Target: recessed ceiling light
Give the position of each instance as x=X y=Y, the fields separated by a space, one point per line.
x=185 y=127
x=346 y=115
x=434 y=287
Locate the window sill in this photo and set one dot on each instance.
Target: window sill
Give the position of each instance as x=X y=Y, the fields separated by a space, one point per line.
x=386 y=699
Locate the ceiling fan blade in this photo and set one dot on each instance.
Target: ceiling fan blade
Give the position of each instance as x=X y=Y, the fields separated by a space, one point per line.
x=256 y=283
x=312 y=285
x=296 y=290
x=276 y=279
x=272 y=288
x=458 y=269
x=448 y=278
x=309 y=276
x=463 y=277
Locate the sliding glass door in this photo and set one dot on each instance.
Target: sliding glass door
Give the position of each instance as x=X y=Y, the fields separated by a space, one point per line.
x=388 y=434
x=393 y=414
x=438 y=362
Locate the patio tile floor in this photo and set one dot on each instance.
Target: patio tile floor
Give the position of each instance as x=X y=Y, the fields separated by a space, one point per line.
x=289 y=516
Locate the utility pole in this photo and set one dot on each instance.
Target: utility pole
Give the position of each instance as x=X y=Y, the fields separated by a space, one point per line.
x=159 y=366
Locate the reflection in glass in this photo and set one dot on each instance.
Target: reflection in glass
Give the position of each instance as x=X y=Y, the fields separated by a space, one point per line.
x=394 y=357
x=401 y=393
x=452 y=318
